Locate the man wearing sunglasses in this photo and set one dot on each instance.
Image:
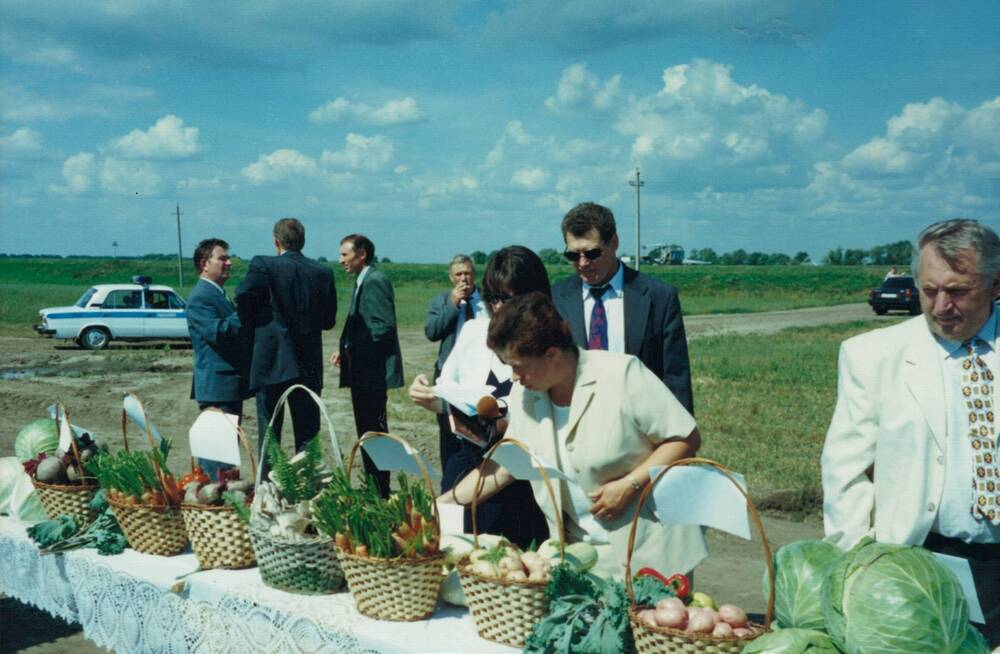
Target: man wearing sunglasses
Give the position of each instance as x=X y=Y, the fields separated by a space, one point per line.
x=612 y=307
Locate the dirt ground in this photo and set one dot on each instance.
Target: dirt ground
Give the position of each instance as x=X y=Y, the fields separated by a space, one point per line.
x=34 y=372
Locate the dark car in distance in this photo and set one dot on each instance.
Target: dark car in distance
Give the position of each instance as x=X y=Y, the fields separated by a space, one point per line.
x=895 y=294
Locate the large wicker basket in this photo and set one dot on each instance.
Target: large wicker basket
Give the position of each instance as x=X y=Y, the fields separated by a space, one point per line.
x=149 y=529
x=665 y=640
x=68 y=499
x=394 y=589
x=505 y=611
x=307 y=567
x=219 y=537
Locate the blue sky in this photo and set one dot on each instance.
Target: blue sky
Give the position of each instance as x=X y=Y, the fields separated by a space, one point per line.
x=441 y=126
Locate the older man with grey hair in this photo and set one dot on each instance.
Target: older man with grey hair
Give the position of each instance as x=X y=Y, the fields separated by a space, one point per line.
x=911 y=453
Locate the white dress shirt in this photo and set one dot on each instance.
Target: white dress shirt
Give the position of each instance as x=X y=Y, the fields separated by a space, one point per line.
x=954 y=518
x=614 y=308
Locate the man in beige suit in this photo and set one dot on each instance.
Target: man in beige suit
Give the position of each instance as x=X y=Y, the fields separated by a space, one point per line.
x=911 y=453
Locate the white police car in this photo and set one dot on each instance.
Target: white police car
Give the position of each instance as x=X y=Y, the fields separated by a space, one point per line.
x=127 y=312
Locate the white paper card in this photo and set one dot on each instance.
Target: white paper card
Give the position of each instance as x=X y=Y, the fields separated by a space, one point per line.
x=213 y=436
x=960 y=568
x=452 y=517
x=700 y=495
x=77 y=431
x=522 y=465
x=390 y=455
x=463 y=397
x=135 y=412
x=65 y=433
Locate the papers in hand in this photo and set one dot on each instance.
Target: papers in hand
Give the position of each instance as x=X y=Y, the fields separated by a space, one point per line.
x=522 y=465
x=463 y=397
x=701 y=495
x=213 y=436
x=389 y=455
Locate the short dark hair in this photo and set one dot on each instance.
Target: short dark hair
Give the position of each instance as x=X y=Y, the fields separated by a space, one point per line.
x=204 y=251
x=290 y=233
x=361 y=242
x=529 y=325
x=586 y=216
x=514 y=269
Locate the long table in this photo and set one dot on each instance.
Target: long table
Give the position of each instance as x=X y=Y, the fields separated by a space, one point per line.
x=134 y=603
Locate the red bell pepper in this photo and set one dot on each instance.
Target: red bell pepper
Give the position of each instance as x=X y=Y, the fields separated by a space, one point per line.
x=678 y=582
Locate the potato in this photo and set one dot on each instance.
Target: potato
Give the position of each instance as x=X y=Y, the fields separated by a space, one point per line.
x=733 y=615
x=516 y=575
x=701 y=622
x=671 y=616
x=668 y=602
x=722 y=629
x=742 y=632
x=648 y=617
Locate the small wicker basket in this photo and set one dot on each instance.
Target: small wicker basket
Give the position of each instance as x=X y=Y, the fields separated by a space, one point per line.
x=665 y=640
x=149 y=529
x=306 y=567
x=505 y=611
x=68 y=499
x=394 y=589
x=219 y=538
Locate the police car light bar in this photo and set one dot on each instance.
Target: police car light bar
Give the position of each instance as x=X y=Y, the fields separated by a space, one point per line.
x=142 y=280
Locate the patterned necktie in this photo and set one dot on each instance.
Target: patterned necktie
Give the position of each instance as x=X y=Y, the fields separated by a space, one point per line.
x=977 y=388
x=598 y=338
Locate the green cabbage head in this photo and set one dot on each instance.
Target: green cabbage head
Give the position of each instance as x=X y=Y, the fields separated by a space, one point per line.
x=799 y=571
x=35 y=437
x=791 y=641
x=882 y=597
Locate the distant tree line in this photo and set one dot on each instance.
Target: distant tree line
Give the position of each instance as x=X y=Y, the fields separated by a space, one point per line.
x=899 y=253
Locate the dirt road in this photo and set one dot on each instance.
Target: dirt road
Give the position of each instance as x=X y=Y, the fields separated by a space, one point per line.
x=35 y=372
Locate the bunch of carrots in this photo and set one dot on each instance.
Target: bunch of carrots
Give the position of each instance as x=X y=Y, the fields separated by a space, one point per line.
x=136 y=478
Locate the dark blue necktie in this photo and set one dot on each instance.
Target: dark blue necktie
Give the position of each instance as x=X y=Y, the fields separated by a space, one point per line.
x=598 y=338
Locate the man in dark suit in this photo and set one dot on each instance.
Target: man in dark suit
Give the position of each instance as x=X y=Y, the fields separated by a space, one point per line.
x=446 y=315
x=217 y=338
x=369 y=359
x=610 y=306
x=289 y=300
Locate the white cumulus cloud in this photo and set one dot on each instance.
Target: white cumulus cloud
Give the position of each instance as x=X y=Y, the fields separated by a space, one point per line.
x=128 y=177
x=280 y=164
x=361 y=153
x=393 y=112
x=77 y=172
x=578 y=87
x=23 y=141
x=167 y=139
x=530 y=179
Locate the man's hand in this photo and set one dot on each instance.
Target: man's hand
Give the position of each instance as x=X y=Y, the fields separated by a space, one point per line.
x=461 y=291
x=611 y=499
x=335 y=359
x=422 y=394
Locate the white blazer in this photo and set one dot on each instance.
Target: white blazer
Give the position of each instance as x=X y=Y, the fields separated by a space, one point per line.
x=619 y=414
x=884 y=458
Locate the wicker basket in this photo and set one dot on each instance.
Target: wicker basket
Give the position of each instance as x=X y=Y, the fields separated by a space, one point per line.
x=219 y=538
x=664 y=640
x=505 y=611
x=394 y=589
x=308 y=567
x=68 y=499
x=149 y=529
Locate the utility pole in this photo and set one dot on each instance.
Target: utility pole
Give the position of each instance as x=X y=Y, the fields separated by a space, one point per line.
x=115 y=246
x=638 y=184
x=180 y=267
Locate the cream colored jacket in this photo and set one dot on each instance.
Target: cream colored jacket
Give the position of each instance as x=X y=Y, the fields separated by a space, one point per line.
x=619 y=414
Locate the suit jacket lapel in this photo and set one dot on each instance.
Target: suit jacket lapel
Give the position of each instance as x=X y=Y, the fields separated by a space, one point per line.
x=923 y=379
x=573 y=304
x=583 y=392
x=545 y=445
x=636 y=311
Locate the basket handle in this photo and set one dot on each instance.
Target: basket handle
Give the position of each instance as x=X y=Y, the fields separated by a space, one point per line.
x=281 y=404
x=149 y=437
x=545 y=478
x=372 y=435
x=241 y=436
x=62 y=416
x=753 y=512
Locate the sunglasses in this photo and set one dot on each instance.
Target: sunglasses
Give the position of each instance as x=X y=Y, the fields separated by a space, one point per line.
x=591 y=255
x=497 y=299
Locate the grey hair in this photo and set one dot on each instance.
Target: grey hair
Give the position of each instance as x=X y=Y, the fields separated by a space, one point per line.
x=952 y=237
x=461 y=258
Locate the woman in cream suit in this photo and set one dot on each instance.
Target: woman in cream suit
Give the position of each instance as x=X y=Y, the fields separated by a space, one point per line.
x=603 y=419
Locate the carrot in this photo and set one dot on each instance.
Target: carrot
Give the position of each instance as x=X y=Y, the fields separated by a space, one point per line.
x=342 y=541
x=406 y=532
x=402 y=543
x=361 y=550
x=416 y=520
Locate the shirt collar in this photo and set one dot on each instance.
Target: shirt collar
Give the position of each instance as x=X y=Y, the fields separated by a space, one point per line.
x=987 y=334
x=617 y=283
x=361 y=276
x=206 y=279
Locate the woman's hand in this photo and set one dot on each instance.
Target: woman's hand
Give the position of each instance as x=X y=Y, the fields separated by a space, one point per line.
x=611 y=499
x=422 y=394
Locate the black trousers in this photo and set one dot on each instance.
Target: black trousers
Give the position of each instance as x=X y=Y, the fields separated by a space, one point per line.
x=984 y=559
x=305 y=416
x=370 y=415
x=448 y=443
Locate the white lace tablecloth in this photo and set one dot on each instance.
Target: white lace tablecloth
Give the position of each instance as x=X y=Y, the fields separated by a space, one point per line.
x=133 y=604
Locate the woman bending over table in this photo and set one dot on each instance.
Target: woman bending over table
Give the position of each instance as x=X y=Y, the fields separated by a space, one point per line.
x=602 y=419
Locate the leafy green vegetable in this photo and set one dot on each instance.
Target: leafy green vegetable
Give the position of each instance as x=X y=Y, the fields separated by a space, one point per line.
x=36 y=437
x=885 y=597
x=799 y=571
x=103 y=533
x=791 y=641
x=241 y=508
x=649 y=590
x=300 y=477
x=50 y=532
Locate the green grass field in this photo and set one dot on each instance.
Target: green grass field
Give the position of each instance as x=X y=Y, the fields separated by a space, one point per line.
x=30 y=284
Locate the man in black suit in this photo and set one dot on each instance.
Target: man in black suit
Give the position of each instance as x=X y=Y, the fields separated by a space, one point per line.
x=612 y=307
x=369 y=358
x=221 y=351
x=289 y=301
x=446 y=315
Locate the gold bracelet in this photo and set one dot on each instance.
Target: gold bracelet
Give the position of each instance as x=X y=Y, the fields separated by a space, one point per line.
x=636 y=486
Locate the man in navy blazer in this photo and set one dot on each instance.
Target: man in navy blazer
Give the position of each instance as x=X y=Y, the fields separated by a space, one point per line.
x=612 y=307
x=288 y=300
x=220 y=346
